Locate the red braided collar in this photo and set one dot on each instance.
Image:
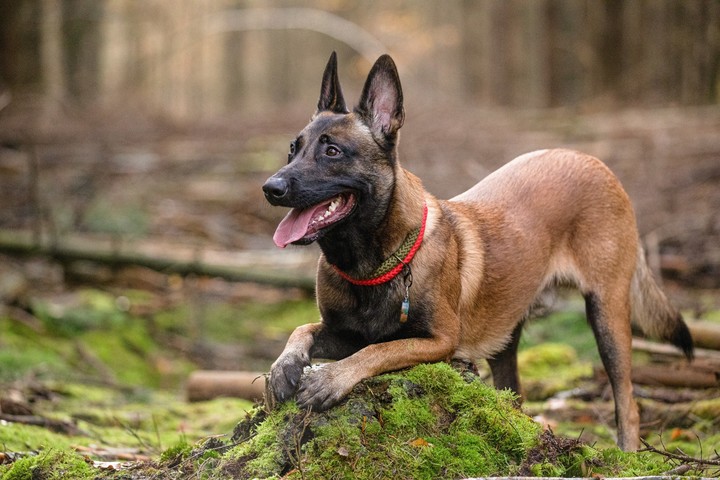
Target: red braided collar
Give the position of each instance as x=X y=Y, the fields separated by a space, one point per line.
x=395 y=271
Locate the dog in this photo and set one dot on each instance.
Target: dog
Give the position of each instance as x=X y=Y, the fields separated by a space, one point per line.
x=405 y=278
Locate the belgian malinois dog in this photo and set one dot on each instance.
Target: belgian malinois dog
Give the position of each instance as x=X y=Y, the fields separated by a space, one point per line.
x=406 y=278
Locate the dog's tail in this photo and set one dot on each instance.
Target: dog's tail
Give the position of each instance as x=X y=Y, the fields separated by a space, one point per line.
x=652 y=311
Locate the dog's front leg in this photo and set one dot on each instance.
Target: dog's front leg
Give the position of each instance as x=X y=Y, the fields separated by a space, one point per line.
x=330 y=383
x=312 y=340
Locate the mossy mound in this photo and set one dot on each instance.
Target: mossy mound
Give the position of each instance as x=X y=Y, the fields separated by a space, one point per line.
x=431 y=421
x=427 y=422
x=50 y=465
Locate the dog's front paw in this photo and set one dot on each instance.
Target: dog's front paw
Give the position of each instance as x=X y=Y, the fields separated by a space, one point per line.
x=285 y=376
x=324 y=386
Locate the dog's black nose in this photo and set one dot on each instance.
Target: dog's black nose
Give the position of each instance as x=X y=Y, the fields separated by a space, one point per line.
x=275 y=188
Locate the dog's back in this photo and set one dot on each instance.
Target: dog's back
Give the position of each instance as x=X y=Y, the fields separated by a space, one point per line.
x=546 y=217
x=561 y=216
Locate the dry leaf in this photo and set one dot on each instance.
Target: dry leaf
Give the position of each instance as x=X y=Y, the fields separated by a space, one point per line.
x=420 y=442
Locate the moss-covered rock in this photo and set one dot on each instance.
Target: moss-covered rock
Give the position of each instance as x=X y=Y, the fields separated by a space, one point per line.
x=426 y=422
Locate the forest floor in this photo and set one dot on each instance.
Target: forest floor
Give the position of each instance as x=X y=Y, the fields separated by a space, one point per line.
x=102 y=372
x=95 y=357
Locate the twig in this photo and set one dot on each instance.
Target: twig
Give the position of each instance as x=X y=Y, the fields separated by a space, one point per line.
x=697 y=463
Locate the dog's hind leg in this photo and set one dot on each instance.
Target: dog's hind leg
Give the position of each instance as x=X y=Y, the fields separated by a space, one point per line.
x=504 y=365
x=609 y=318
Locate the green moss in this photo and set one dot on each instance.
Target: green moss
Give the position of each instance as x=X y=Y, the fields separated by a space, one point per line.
x=263 y=454
x=426 y=422
x=91 y=325
x=126 y=218
x=149 y=421
x=16 y=437
x=88 y=310
x=18 y=363
x=696 y=442
x=24 y=351
x=568 y=327
x=707 y=409
x=244 y=322
x=548 y=368
x=52 y=464
x=179 y=450
x=600 y=435
x=615 y=462
x=130 y=353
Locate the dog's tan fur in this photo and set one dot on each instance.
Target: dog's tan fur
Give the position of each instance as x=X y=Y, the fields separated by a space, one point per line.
x=546 y=218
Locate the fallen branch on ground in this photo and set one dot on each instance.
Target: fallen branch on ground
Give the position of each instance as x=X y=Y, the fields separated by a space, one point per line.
x=58 y=426
x=279 y=269
x=209 y=384
x=643 y=345
x=695 y=463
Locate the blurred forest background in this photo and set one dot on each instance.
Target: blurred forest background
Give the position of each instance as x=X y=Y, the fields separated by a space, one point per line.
x=161 y=119
x=193 y=59
x=135 y=137
x=94 y=76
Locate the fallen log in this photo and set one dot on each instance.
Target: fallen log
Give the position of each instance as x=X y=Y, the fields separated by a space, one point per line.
x=209 y=384
x=284 y=269
x=705 y=334
x=685 y=376
x=58 y=426
x=664 y=349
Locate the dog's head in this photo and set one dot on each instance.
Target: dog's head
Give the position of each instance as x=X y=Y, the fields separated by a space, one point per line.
x=341 y=166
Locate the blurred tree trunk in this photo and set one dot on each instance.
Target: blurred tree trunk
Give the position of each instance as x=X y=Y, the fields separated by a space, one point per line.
x=500 y=73
x=51 y=52
x=114 y=50
x=537 y=46
x=701 y=47
x=611 y=46
x=212 y=73
x=475 y=61
x=81 y=46
x=20 y=44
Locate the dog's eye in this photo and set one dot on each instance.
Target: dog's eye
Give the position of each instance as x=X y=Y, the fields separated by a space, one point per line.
x=291 y=152
x=332 y=151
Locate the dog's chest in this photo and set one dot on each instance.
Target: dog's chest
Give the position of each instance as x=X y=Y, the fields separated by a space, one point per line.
x=373 y=314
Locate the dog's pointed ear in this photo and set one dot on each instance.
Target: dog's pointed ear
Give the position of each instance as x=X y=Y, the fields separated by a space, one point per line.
x=331 y=96
x=381 y=102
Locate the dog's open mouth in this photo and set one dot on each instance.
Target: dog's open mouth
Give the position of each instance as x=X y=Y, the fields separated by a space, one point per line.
x=303 y=224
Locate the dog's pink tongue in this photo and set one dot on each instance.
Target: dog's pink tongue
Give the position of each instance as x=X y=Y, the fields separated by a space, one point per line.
x=293 y=227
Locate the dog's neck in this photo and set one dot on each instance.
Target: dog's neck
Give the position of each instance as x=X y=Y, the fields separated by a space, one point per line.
x=359 y=249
